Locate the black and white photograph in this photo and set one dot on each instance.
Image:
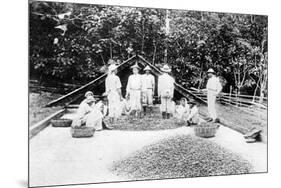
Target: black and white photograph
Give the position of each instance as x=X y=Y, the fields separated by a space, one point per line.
x=123 y=93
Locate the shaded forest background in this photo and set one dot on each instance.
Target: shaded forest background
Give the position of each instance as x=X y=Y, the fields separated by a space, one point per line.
x=73 y=42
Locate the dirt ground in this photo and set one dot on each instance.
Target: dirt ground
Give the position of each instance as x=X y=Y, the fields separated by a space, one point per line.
x=239 y=120
x=57 y=158
x=37 y=101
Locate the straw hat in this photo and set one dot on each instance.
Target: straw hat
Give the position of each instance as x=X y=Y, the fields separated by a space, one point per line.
x=135 y=66
x=147 y=68
x=104 y=94
x=166 y=68
x=211 y=71
x=89 y=93
x=192 y=101
x=90 y=99
x=112 y=67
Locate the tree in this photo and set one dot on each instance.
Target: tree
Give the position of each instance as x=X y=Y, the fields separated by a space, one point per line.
x=73 y=42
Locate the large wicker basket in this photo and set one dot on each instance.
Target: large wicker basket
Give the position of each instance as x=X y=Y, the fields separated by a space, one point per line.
x=206 y=129
x=82 y=132
x=61 y=122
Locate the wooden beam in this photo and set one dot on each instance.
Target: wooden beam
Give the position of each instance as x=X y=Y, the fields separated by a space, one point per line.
x=69 y=95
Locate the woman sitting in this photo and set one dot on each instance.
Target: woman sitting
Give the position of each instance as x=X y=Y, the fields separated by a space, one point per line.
x=89 y=113
x=182 y=111
x=193 y=115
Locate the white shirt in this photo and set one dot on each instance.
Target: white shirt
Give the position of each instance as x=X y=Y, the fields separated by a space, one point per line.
x=166 y=84
x=193 y=113
x=134 y=82
x=214 y=85
x=112 y=83
x=84 y=109
x=148 y=81
x=102 y=107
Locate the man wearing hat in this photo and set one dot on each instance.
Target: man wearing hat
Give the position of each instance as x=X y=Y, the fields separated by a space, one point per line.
x=148 y=87
x=166 y=91
x=133 y=91
x=113 y=92
x=88 y=114
x=213 y=88
x=193 y=115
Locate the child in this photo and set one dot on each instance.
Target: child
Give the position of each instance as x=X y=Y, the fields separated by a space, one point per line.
x=193 y=115
x=102 y=105
x=125 y=107
x=182 y=111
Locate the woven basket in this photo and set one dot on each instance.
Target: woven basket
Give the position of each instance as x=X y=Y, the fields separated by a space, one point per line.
x=206 y=130
x=82 y=132
x=61 y=122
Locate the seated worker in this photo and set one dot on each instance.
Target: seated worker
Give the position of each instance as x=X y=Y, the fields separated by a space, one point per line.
x=125 y=107
x=102 y=105
x=193 y=115
x=182 y=111
x=89 y=113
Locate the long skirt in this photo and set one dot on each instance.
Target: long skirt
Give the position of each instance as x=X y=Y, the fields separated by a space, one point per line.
x=94 y=119
x=135 y=99
x=114 y=104
x=211 y=98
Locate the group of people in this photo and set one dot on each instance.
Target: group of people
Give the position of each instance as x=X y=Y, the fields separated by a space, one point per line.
x=138 y=101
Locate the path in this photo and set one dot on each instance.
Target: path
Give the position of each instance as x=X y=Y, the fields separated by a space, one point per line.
x=56 y=158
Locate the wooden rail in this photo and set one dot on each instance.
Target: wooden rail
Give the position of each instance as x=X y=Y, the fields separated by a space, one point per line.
x=35 y=129
x=69 y=96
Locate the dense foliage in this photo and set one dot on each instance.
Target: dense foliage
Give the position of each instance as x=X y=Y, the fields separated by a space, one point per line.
x=72 y=42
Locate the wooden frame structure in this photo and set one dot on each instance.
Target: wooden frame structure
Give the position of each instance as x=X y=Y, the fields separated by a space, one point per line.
x=67 y=99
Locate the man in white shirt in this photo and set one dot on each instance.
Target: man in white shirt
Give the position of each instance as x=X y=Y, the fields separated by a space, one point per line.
x=133 y=91
x=148 y=87
x=113 y=92
x=166 y=91
x=213 y=88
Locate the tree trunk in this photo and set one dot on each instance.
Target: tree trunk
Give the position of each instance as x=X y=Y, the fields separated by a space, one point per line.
x=256 y=89
x=201 y=79
x=154 y=52
x=102 y=59
x=143 y=36
x=167 y=21
x=262 y=89
x=110 y=50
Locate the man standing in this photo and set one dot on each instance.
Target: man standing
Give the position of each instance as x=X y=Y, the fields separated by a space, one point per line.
x=148 y=85
x=113 y=92
x=133 y=91
x=213 y=89
x=166 y=91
